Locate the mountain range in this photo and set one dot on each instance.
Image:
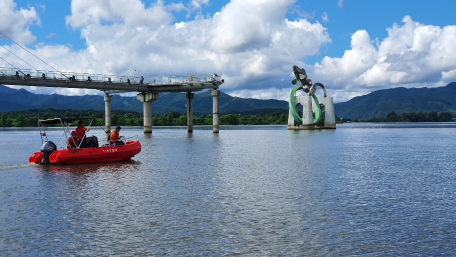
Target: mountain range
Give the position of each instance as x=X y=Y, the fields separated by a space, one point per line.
x=400 y=100
x=21 y=99
x=373 y=105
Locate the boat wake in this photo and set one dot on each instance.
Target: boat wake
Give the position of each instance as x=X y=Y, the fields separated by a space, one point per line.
x=18 y=166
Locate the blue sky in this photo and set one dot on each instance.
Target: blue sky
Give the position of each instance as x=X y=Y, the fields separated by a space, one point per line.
x=328 y=38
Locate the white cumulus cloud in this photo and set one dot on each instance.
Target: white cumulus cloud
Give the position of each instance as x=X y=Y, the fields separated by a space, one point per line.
x=249 y=51
x=250 y=43
x=173 y=7
x=131 y=13
x=15 y=23
x=412 y=55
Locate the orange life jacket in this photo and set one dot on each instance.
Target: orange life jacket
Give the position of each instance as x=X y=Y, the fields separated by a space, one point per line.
x=71 y=142
x=113 y=137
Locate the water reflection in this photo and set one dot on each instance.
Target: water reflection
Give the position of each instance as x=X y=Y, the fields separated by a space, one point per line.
x=81 y=169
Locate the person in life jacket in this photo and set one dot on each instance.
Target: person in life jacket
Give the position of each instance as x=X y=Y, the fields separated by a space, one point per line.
x=80 y=130
x=114 y=138
x=71 y=142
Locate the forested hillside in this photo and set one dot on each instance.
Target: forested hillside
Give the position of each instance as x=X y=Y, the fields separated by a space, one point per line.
x=21 y=99
x=399 y=100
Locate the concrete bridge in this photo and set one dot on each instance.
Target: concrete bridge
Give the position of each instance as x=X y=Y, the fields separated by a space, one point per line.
x=147 y=88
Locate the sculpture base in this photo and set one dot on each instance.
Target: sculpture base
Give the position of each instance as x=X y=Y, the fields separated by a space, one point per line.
x=310 y=127
x=326 y=126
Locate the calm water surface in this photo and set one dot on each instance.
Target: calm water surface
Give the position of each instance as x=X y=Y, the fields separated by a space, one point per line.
x=362 y=189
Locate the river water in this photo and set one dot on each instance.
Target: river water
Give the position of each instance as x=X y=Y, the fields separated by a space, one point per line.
x=362 y=189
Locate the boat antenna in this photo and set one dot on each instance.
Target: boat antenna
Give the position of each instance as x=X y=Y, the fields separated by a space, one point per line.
x=30 y=53
x=103 y=129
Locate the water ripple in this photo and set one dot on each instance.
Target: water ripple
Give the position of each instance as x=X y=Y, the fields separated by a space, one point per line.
x=375 y=191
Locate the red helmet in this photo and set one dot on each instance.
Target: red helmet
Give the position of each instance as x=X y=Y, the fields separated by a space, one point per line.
x=73 y=132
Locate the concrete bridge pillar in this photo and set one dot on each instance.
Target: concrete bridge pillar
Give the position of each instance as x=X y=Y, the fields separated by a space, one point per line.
x=190 y=111
x=147 y=99
x=215 y=110
x=107 y=99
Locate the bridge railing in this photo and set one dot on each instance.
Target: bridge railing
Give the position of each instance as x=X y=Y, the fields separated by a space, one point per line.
x=28 y=74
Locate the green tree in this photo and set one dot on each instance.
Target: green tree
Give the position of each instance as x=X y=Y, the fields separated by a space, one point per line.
x=121 y=120
x=99 y=122
x=3 y=119
x=244 y=119
x=254 y=120
x=421 y=117
x=21 y=121
x=32 y=121
x=198 y=120
x=163 y=120
x=156 y=120
x=208 y=120
x=230 y=119
x=182 y=120
x=169 y=120
x=132 y=121
x=433 y=117
x=115 y=119
x=391 y=116
x=445 y=116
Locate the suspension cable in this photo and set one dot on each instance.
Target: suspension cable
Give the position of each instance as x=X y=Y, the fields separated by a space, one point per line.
x=17 y=56
x=12 y=65
x=31 y=54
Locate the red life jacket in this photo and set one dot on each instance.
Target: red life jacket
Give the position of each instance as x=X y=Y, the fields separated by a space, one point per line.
x=80 y=131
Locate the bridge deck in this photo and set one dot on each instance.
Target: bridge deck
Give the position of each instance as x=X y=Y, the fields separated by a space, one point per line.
x=107 y=83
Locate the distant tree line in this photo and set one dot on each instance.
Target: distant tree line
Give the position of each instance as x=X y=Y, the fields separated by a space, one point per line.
x=29 y=118
x=415 y=117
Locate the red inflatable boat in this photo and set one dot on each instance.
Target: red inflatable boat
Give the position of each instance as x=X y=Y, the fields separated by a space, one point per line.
x=86 y=152
x=91 y=154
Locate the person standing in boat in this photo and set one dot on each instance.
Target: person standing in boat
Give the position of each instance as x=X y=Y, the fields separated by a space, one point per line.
x=114 y=138
x=71 y=142
x=80 y=131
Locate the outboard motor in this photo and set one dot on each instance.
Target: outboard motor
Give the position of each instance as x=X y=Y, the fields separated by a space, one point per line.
x=90 y=142
x=94 y=142
x=46 y=150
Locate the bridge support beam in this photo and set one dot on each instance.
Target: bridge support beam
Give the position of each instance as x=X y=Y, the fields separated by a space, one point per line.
x=215 y=110
x=147 y=99
x=107 y=99
x=189 y=96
